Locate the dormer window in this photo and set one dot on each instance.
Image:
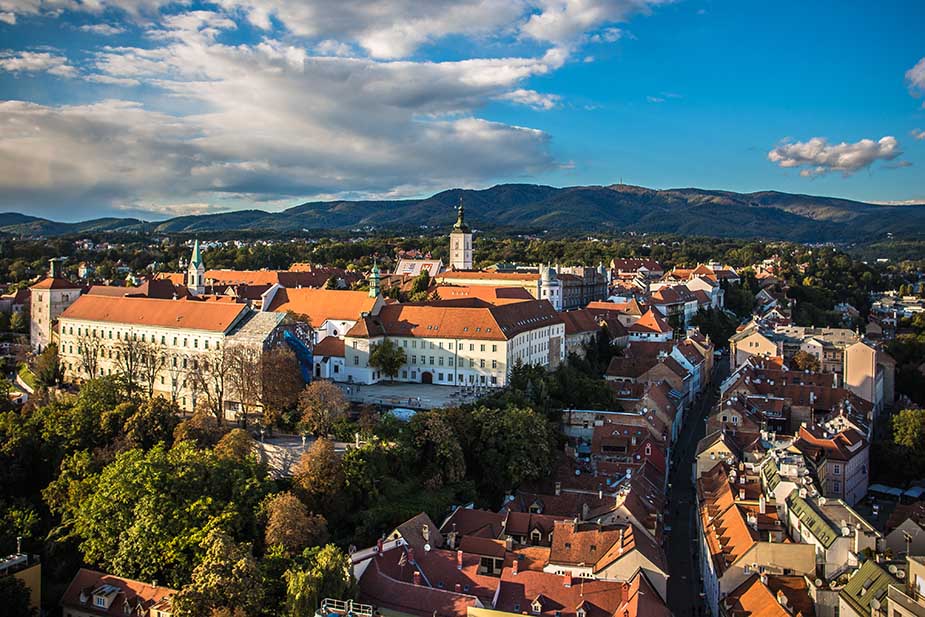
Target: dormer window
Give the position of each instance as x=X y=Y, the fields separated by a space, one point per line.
x=581 y=612
x=537 y=607
x=99 y=601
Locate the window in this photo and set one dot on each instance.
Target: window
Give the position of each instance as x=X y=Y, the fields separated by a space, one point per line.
x=414 y=359
x=481 y=347
x=494 y=364
x=356 y=360
x=471 y=347
x=101 y=602
x=431 y=360
x=494 y=348
x=836 y=469
x=482 y=363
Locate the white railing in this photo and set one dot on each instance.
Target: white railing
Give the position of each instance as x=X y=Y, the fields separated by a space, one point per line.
x=344 y=607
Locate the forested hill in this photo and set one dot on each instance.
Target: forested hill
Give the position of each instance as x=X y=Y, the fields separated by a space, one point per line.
x=529 y=207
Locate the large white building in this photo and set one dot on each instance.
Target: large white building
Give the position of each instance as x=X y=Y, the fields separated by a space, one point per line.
x=95 y=330
x=457 y=345
x=50 y=297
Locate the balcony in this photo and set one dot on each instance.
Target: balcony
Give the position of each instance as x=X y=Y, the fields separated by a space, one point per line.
x=339 y=608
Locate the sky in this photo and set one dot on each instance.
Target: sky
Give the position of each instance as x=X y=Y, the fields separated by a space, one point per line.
x=153 y=108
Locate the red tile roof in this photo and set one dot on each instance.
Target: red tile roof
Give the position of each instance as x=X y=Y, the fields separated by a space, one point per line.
x=579 y=321
x=322 y=304
x=186 y=314
x=56 y=283
x=330 y=346
x=651 y=321
x=126 y=590
x=493 y=295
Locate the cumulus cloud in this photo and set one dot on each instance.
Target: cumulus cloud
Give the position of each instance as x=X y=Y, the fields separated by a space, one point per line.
x=103 y=29
x=268 y=121
x=915 y=78
x=532 y=98
x=918 y=133
x=817 y=157
x=8 y=17
x=35 y=62
x=564 y=22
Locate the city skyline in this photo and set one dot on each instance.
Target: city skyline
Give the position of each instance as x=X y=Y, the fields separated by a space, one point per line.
x=158 y=109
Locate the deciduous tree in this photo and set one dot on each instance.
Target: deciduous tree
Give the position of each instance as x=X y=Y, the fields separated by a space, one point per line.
x=292 y=526
x=322 y=404
x=387 y=357
x=318 y=477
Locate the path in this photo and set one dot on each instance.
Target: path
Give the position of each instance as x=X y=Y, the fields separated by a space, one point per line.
x=684 y=583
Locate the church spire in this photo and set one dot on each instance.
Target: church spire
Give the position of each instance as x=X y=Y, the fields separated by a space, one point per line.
x=460 y=217
x=374 y=280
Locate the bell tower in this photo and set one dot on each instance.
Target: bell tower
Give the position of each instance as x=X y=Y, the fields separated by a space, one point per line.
x=196 y=271
x=461 y=241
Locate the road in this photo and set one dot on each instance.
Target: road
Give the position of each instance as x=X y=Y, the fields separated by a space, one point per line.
x=681 y=548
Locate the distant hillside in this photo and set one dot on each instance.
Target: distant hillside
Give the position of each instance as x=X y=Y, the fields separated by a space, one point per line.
x=528 y=207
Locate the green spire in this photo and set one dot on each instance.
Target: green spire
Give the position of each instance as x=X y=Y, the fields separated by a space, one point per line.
x=196 y=258
x=460 y=222
x=374 y=280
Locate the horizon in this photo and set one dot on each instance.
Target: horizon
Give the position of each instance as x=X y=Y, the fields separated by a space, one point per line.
x=166 y=217
x=160 y=109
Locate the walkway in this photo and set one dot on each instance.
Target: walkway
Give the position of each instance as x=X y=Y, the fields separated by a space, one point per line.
x=684 y=585
x=410 y=395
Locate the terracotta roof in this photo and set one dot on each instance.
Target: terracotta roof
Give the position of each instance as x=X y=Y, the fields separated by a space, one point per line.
x=493 y=295
x=467 y=275
x=123 y=590
x=651 y=321
x=632 y=264
x=185 y=314
x=841 y=446
x=630 y=368
x=579 y=321
x=330 y=346
x=473 y=522
x=56 y=283
x=754 y=598
x=384 y=591
x=496 y=323
x=323 y=304
x=489 y=547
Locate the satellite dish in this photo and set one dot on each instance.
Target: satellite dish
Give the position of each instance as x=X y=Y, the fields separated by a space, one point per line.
x=818 y=582
x=427 y=548
x=892 y=569
x=901 y=574
x=875 y=604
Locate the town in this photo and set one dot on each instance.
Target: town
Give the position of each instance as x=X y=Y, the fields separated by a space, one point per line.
x=618 y=438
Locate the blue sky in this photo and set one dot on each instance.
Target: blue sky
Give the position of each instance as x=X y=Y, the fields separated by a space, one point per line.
x=153 y=108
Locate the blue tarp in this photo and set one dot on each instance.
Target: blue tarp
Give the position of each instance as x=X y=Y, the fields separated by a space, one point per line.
x=302 y=353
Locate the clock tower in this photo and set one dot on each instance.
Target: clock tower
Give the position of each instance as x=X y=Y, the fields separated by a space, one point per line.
x=461 y=242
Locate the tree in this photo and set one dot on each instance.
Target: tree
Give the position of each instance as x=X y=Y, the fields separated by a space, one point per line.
x=235 y=445
x=19 y=322
x=332 y=283
x=387 y=357
x=281 y=383
x=200 y=429
x=153 y=422
x=245 y=377
x=318 y=477
x=153 y=359
x=227 y=578
x=439 y=455
x=292 y=526
x=89 y=349
x=15 y=599
x=327 y=574
x=144 y=515
x=322 y=404
x=209 y=379
x=805 y=361
x=909 y=430
x=46 y=368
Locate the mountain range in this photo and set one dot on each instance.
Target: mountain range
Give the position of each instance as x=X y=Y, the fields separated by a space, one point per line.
x=532 y=208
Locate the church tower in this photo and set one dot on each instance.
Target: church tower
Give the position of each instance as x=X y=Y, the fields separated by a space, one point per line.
x=461 y=242
x=196 y=271
x=374 y=281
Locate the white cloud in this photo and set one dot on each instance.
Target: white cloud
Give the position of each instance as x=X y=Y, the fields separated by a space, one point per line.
x=917 y=133
x=915 y=78
x=817 y=157
x=532 y=98
x=18 y=62
x=563 y=22
x=330 y=47
x=103 y=29
x=8 y=18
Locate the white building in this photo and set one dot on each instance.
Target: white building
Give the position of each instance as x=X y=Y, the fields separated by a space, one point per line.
x=50 y=297
x=457 y=345
x=461 y=243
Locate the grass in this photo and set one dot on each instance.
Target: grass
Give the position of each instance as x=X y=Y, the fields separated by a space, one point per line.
x=26 y=374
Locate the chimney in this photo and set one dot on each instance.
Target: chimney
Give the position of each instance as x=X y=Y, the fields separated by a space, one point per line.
x=781 y=598
x=411 y=555
x=457 y=588
x=509 y=543
x=568 y=578
x=379 y=546
x=417 y=577
x=425 y=532
x=515 y=567
x=624 y=592
x=459 y=555
x=558 y=488
x=764 y=578
x=741 y=494
x=762 y=505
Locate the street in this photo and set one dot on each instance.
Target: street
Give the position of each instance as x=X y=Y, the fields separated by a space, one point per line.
x=681 y=546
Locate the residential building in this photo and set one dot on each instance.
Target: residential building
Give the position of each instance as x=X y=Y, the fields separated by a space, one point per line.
x=839 y=458
x=769 y=596
x=92 y=593
x=865 y=594
x=27 y=569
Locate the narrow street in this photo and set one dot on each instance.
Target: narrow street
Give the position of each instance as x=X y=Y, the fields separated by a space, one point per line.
x=681 y=546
